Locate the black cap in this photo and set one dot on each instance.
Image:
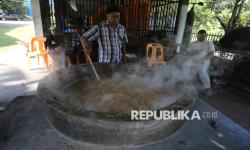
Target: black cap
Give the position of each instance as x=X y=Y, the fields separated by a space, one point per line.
x=202 y=32
x=112 y=8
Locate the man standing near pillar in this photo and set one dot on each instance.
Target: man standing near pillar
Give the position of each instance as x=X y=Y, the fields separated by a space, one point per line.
x=201 y=52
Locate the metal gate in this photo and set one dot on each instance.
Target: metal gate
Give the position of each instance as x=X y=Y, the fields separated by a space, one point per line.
x=140 y=17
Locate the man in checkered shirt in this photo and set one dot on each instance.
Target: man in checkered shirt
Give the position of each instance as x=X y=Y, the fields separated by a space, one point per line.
x=111 y=37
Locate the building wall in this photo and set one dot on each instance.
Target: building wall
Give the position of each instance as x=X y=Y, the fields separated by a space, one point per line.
x=29 y=7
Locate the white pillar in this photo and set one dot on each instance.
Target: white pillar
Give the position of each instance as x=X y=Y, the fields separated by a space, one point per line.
x=37 y=18
x=181 y=26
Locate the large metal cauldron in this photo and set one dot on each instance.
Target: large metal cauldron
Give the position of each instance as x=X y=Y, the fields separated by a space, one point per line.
x=103 y=128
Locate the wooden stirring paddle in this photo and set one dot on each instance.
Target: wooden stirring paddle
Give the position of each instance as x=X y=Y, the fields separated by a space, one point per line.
x=90 y=61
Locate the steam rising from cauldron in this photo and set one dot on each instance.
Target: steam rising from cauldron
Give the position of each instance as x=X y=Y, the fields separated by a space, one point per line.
x=169 y=77
x=144 y=88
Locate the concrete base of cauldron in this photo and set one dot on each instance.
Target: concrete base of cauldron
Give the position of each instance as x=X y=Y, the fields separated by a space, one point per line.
x=24 y=126
x=99 y=128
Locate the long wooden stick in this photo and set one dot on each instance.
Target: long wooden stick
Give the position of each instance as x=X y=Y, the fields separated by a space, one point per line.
x=91 y=63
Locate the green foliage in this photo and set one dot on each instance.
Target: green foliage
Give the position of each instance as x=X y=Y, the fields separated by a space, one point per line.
x=245 y=16
x=11 y=34
x=13 y=6
x=205 y=16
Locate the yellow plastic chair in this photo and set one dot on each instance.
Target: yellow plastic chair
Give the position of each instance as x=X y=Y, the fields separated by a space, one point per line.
x=155 y=54
x=37 y=50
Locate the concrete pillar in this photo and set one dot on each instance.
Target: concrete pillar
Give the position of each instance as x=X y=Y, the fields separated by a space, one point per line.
x=188 y=29
x=37 y=18
x=181 y=25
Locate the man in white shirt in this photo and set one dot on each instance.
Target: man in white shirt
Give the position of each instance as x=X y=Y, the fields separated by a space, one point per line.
x=201 y=51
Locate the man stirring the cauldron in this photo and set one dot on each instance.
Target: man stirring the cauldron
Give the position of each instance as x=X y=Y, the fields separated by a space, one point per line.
x=111 y=37
x=201 y=52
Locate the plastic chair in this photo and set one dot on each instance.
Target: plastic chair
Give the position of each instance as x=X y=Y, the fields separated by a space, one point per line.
x=37 y=50
x=155 y=54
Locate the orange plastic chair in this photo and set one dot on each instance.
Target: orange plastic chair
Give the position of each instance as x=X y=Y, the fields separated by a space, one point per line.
x=38 y=50
x=155 y=54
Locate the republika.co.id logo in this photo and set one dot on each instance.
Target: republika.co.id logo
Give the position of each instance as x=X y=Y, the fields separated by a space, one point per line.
x=171 y=115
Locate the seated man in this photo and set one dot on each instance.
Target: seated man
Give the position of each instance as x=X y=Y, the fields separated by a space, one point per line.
x=201 y=51
x=55 y=44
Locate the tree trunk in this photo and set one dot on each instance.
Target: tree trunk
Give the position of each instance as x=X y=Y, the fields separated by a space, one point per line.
x=232 y=23
x=239 y=12
x=221 y=23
